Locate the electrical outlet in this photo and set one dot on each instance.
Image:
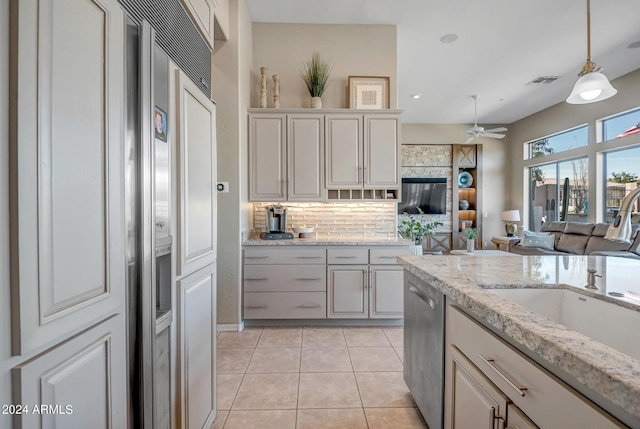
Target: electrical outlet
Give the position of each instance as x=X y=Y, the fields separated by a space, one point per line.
x=223 y=187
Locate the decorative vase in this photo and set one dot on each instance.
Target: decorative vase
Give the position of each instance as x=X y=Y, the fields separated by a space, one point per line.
x=471 y=244
x=276 y=91
x=463 y=205
x=416 y=249
x=316 y=103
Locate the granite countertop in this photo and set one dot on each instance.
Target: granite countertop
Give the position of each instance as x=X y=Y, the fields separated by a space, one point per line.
x=255 y=240
x=611 y=374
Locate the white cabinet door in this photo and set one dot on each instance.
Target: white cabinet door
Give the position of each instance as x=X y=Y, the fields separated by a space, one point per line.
x=68 y=233
x=343 y=151
x=202 y=13
x=381 y=151
x=197 y=196
x=387 y=293
x=347 y=292
x=305 y=144
x=472 y=402
x=197 y=348
x=84 y=379
x=267 y=158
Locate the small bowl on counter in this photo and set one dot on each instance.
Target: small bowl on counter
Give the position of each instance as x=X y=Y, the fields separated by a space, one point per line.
x=304 y=232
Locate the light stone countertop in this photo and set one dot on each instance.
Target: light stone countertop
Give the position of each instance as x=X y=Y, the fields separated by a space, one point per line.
x=609 y=373
x=255 y=240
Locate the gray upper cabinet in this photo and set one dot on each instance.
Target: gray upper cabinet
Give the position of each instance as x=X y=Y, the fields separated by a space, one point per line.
x=66 y=174
x=362 y=151
x=267 y=157
x=305 y=143
x=197 y=176
x=202 y=14
x=286 y=157
x=381 y=151
x=344 y=151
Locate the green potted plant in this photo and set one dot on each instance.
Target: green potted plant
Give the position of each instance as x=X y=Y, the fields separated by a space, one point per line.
x=316 y=78
x=472 y=235
x=412 y=228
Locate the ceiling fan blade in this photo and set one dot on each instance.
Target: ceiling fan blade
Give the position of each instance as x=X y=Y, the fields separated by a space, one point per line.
x=494 y=136
x=497 y=130
x=469 y=140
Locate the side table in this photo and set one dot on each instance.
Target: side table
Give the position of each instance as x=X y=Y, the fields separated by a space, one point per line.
x=497 y=241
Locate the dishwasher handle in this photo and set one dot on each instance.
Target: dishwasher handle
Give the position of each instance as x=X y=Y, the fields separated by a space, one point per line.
x=423 y=296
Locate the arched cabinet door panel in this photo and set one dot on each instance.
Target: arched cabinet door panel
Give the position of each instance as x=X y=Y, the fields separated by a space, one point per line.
x=66 y=169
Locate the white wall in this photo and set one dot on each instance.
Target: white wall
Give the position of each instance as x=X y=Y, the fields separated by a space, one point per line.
x=231 y=86
x=354 y=50
x=564 y=116
x=495 y=169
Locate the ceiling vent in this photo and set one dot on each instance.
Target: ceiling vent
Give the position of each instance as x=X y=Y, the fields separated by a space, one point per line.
x=543 y=80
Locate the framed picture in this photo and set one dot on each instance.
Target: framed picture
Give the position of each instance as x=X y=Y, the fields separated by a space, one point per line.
x=160 y=124
x=368 y=92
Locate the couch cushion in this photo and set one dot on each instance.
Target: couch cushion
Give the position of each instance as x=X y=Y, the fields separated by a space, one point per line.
x=600 y=230
x=573 y=243
x=553 y=226
x=534 y=251
x=580 y=228
x=596 y=244
x=540 y=240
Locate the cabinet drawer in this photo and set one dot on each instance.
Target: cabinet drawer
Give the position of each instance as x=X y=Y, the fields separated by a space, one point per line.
x=347 y=255
x=285 y=305
x=290 y=255
x=534 y=390
x=387 y=255
x=281 y=278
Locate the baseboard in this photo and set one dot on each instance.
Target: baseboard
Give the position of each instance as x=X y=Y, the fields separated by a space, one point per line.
x=231 y=327
x=325 y=322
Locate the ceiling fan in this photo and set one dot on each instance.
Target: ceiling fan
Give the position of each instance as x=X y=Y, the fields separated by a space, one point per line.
x=477 y=131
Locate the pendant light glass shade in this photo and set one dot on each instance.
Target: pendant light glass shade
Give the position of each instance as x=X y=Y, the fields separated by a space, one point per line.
x=591 y=88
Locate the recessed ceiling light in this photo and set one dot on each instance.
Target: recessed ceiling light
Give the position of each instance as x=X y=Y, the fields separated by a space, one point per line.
x=634 y=45
x=449 y=38
x=415 y=96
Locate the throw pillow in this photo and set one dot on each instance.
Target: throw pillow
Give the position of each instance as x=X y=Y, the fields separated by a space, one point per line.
x=541 y=240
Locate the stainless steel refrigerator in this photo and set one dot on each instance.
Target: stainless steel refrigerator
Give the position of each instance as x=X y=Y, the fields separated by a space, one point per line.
x=149 y=238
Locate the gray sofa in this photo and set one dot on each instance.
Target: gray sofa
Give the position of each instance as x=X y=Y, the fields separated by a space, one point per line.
x=581 y=238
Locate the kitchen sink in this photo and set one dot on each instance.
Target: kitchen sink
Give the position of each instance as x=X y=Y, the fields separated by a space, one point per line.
x=603 y=321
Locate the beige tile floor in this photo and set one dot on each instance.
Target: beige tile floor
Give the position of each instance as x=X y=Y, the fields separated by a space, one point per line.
x=313 y=378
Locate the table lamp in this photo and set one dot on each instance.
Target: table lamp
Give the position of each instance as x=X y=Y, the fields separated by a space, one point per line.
x=511 y=216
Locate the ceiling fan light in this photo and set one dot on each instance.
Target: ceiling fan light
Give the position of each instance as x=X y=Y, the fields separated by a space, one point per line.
x=591 y=88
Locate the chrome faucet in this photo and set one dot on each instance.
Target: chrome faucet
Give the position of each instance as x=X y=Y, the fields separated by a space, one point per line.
x=591 y=278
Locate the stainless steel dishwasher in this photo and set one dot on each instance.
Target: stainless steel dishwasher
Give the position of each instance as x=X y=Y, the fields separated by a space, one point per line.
x=424 y=348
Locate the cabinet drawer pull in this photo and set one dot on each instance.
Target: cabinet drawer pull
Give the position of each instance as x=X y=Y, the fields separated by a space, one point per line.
x=257 y=306
x=345 y=257
x=256 y=257
x=520 y=389
x=387 y=257
x=255 y=279
x=309 y=278
x=308 y=257
x=310 y=306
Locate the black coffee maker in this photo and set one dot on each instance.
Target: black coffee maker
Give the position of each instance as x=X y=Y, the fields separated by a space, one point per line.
x=276 y=224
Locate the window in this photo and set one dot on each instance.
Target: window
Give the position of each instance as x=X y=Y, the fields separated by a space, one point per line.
x=559 y=191
x=572 y=139
x=622 y=169
x=623 y=125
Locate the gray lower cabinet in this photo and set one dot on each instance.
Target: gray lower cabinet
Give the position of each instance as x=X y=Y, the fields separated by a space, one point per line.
x=285 y=282
x=488 y=383
x=317 y=282
x=348 y=291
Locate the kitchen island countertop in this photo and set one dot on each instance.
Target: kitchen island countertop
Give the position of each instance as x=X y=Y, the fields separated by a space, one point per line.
x=611 y=374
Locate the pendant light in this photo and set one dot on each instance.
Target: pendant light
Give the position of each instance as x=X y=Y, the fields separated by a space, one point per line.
x=592 y=86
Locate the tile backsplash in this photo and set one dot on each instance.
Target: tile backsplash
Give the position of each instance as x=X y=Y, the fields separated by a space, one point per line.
x=336 y=219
